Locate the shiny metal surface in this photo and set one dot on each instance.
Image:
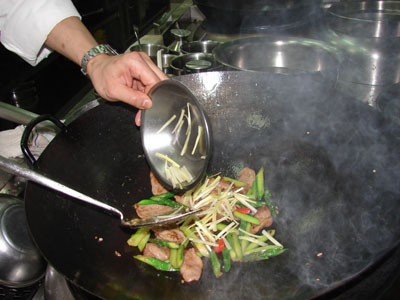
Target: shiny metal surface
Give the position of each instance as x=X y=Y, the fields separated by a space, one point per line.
x=55 y=286
x=150 y=49
x=169 y=98
x=280 y=54
x=184 y=64
x=370 y=19
x=367 y=33
x=21 y=264
x=199 y=47
x=27 y=173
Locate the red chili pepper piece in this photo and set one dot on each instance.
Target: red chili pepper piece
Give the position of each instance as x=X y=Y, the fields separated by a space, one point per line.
x=220 y=247
x=244 y=210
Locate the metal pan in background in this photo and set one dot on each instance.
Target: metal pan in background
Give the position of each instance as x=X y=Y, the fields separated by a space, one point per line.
x=332 y=165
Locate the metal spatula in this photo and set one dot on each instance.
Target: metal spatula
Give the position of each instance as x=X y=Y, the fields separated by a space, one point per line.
x=29 y=174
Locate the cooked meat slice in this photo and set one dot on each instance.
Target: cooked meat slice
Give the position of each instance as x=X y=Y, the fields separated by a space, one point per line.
x=153 y=250
x=156 y=186
x=145 y=211
x=180 y=199
x=264 y=214
x=169 y=234
x=247 y=175
x=192 y=266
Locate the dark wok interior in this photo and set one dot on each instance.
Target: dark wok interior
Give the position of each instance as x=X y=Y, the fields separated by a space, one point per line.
x=332 y=165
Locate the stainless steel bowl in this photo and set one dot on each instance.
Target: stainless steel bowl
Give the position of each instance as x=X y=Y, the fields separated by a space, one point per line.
x=150 y=49
x=194 y=63
x=285 y=55
x=20 y=261
x=199 y=47
x=368 y=34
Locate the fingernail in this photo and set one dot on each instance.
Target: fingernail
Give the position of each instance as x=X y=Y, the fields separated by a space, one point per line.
x=146 y=103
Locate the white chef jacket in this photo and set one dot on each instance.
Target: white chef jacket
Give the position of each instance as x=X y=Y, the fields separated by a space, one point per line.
x=25 y=24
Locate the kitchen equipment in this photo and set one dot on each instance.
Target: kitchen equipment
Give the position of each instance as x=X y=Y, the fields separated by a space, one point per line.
x=150 y=49
x=388 y=102
x=194 y=63
x=21 y=264
x=171 y=98
x=27 y=173
x=180 y=36
x=255 y=16
x=332 y=166
x=368 y=35
x=281 y=54
x=166 y=62
x=199 y=47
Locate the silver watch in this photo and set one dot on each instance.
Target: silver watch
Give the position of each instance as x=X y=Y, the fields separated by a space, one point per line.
x=102 y=48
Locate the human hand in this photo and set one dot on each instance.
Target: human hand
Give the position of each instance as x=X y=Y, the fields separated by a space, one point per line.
x=126 y=77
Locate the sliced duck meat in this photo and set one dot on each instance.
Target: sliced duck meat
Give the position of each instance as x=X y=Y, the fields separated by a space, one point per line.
x=156 y=187
x=192 y=266
x=247 y=175
x=169 y=234
x=264 y=215
x=153 y=250
x=145 y=211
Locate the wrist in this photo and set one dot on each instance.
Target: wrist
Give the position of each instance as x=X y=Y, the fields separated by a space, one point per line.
x=100 y=50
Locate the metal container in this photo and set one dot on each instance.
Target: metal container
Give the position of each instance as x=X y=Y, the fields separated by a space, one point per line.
x=194 y=63
x=281 y=54
x=21 y=264
x=150 y=49
x=199 y=47
x=166 y=60
x=368 y=34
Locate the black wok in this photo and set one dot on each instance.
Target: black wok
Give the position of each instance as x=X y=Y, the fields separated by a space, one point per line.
x=332 y=165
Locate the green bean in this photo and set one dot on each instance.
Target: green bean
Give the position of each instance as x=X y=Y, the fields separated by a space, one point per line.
x=236 y=182
x=226 y=259
x=166 y=202
x=143 y=241
x=171 y=245
x=156 y=263
x=216 y=266
x=237 y=247
x=247 y=218
x=260 y=184
x=200 y=246
x=232 y=253
x=262 y=255
x=135 y=238
x=166 y=195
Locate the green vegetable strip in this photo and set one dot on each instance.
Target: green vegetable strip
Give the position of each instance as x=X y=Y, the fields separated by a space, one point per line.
x=262 y=255
x=201 y=247
x=167 y=202
x=135 y=239
x=162 y=243
x=167 y=195
x=262 y=238
x=232 y=252
x=216 y=266
x=236 y=182
x=237 y=247
x=247 y=218
x=260 y=184
x=179 y=256
x=156 y=263
x=251 y=193
x=263 y=248
x=226 y=258
x=243 y=226
x=143 y=241
x=173 y=253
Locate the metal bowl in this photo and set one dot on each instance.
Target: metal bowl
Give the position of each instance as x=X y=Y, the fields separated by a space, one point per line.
x=284 y=55
x=199 y=47
x=372 y=19
x=150 y=49
x=368 y=34
x=20 y=262
x=194 y=63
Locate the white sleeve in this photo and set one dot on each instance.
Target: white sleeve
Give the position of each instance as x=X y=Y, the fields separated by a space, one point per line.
x=25 y=24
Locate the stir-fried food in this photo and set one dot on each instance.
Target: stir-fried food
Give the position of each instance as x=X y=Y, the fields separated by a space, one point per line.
x=234 y=225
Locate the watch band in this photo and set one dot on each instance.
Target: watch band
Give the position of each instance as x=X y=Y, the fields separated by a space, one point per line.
x=100 y=49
